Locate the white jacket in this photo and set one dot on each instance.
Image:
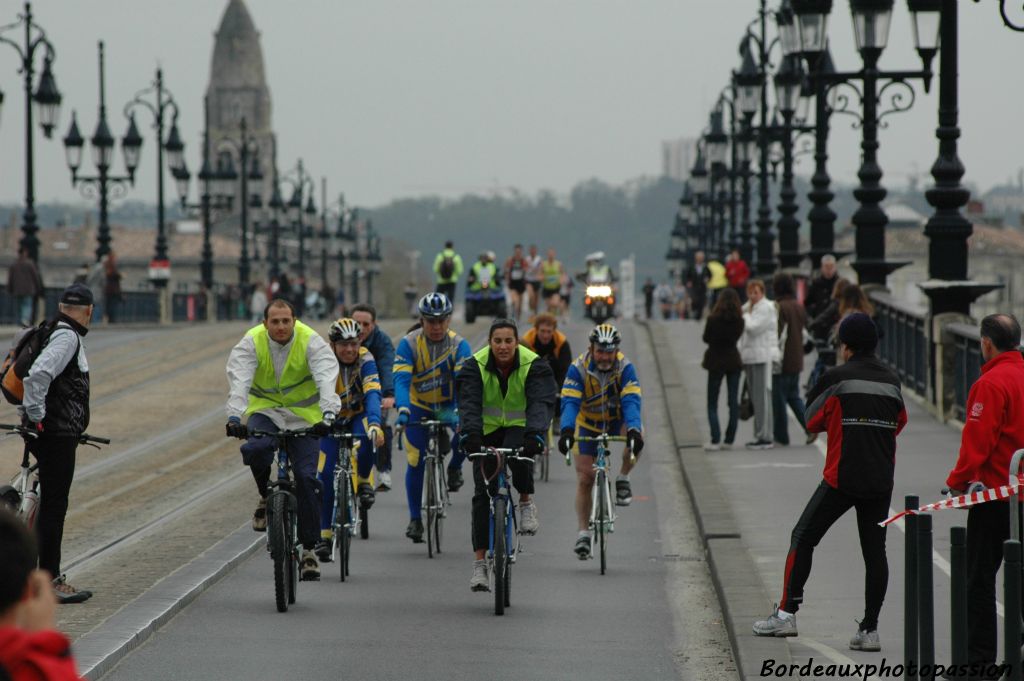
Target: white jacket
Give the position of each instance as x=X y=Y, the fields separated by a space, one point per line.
x=760 y=340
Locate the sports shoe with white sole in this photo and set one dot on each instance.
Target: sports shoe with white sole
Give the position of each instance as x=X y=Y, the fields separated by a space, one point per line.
x=582 y=547
x=774 y=625
x=866 y=640
x=310 y=566
x=479 y=581
x=259 y=517
x=383 y=481
x=623 y=493
x=528 y=523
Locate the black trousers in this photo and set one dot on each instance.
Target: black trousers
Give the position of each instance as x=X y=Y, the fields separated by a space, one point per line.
x=56 y=457
x=988 y=526
x=448 y=290
x=826 y=506
x=522 y=480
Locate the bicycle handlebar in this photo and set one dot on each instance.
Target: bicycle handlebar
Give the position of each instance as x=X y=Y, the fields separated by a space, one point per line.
x=282 y=434
x=84 y=438
x=509 y=454
x=602 y=438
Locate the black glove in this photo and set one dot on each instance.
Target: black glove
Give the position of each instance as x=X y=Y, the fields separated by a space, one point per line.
x=235 y=428
x=321 y=429
x=533 y=446
x=471 y=443
x=635 y=440
x=31 y=426
x=566 y=440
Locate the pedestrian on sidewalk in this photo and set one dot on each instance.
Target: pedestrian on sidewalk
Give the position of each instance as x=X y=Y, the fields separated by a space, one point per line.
x=823 y=329
x=738 y=273
x=112 y=287
x=648 y=290
x=786 y=381
x=861 y=407
x=993 y=431
x=26 y=286
x=696 y=280
x=759 y=347
x=722 y=360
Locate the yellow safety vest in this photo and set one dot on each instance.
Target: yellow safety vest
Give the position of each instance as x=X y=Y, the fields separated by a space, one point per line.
x=503 y=411
x=296 y=390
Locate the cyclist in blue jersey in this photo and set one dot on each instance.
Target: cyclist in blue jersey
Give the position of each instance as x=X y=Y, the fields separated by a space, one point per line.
x=601 y=394
x=359 y=391
x=383 y=351
x=426 y=362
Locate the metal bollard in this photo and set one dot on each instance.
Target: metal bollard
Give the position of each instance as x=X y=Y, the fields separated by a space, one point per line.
x=910 y=588
x=958 y=594
x=926 y=595
x=1011 y=595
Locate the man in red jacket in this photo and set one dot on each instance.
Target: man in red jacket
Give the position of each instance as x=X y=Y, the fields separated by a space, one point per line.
x=993 y=431
x=30 y=648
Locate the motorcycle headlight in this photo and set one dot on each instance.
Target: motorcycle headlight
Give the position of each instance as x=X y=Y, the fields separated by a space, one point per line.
x=599 y=291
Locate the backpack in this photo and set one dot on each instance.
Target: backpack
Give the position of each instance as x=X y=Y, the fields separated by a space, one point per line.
x=27 y=345
x=447 y=268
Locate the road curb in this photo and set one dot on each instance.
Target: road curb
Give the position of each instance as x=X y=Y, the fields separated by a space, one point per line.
x=740 y=591
x=101 y=649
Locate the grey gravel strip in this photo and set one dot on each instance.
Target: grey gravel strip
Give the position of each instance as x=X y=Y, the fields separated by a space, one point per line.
x=102 y=648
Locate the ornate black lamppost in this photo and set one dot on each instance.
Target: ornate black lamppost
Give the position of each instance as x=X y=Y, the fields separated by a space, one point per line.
x=701 y=186
x=47 y=102
x=103 y=184
x=373 y=259
x=677 y=249
x=248 y=152
x=871 y=20
x=302 y=192
x=159 y=268
x=354 y=256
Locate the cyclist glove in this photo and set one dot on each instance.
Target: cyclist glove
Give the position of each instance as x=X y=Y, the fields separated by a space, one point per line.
x=235 y=428
x=534 y=446
x=635 y=440
x=472 y=443
x=566 y=441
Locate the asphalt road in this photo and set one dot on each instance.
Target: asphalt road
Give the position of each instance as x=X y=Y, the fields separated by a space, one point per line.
x=402 y=615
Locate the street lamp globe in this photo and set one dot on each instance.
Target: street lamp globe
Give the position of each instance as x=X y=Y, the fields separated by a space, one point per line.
x=789 y=37
x=686 y=204
x=925 y=17
x=295 y=204
x=181 y=178
x=871 y=20
x=788 y=81
x=175 y=148
x=716 y=140
x=749 y=81
x=255 y=173
x=812 y=24
x=276 y=203
x=73 y=144
x=699 y=175
x=131 y=146
x=47 y=99
x=310 y=206
x=102 y=144
x=226 y=176
x=206 y=177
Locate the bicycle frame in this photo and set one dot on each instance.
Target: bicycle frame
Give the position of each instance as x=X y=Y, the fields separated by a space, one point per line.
x=347 y=448
x=503 y=485
x=601 y=481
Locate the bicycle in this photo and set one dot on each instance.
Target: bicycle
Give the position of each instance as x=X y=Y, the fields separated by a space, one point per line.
x=22 y=495
x=435 y=487
x=283 y=520
x=347 y=520
x=602 y=506
x=503 y=535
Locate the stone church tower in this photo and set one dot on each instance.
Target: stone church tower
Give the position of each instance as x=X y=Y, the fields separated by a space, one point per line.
x=237 y=89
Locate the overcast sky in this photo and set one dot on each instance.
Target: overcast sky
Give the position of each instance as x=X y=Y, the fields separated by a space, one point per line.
x=392 y=98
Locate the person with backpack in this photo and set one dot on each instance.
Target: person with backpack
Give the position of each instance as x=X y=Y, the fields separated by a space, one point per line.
x=55 y=406
x=447 y=270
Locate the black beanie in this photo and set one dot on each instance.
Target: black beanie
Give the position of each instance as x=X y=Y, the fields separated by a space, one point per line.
x=858 y=333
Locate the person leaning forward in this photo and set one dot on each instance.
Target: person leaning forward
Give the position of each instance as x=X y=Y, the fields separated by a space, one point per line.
x=860 y=406
x=56 y=406
x=993 y=431
x=282 y=375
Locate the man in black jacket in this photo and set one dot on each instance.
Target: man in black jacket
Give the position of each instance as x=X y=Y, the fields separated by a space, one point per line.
x=506 y=395
x=820 y=290
x=56 y=407
x=860 y=405
x=696 y=280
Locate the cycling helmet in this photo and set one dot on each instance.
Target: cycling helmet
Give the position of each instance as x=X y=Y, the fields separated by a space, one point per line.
x=435 y=305
x=605 y=337
x=343 y=329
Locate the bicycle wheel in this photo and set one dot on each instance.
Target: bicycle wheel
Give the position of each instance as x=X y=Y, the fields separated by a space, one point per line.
x=431 y=491
x=280 y=552
x=500 y=556
x=510 y=531
x=439 y=516
x=295 y=552
x=344 y=531
x=364 y=523
x=602 y=514
x=545 y=464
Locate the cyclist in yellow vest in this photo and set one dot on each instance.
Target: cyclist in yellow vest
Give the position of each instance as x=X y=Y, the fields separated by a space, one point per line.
x=282 y=376
x=506 y=397
x=551 y=272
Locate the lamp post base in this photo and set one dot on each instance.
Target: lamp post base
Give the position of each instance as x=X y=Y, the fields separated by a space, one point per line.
x=875 y=271
x=954 y=296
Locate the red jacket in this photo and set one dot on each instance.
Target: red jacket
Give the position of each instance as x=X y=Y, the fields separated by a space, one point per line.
x=737 y=272
x=36 y=656
x=995 y=428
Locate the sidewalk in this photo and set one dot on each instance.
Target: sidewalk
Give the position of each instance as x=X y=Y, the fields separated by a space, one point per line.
x=754 y=498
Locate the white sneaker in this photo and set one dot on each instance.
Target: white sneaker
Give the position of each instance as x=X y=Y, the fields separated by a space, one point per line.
x=383 y=481
x=712 y=446
x=479 y=581
x=528 y=523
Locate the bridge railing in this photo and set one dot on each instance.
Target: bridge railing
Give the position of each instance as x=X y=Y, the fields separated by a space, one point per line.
x=904 y=342
x=966 y=365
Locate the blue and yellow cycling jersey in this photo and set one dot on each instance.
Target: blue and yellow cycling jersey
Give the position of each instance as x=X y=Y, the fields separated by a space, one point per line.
x=601 y=397
x=358 y=388
x=424 y=372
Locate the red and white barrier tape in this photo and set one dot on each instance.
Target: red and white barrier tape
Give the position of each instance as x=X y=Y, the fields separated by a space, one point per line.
x=963 y=501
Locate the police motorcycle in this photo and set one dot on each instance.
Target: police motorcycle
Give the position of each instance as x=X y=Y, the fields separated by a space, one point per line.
x=599 y=295
x=488 y=298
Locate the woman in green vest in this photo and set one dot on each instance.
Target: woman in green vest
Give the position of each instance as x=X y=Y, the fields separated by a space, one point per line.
x=506 y=398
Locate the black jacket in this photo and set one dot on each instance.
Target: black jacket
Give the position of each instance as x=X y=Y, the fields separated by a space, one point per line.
x=539 y=387
x=819 y=293
x=721 y=335
x=67 y=400
x=860 y=406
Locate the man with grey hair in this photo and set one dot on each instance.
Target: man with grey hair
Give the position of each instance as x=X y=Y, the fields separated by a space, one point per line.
x=56 y=408
x=820 y=290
